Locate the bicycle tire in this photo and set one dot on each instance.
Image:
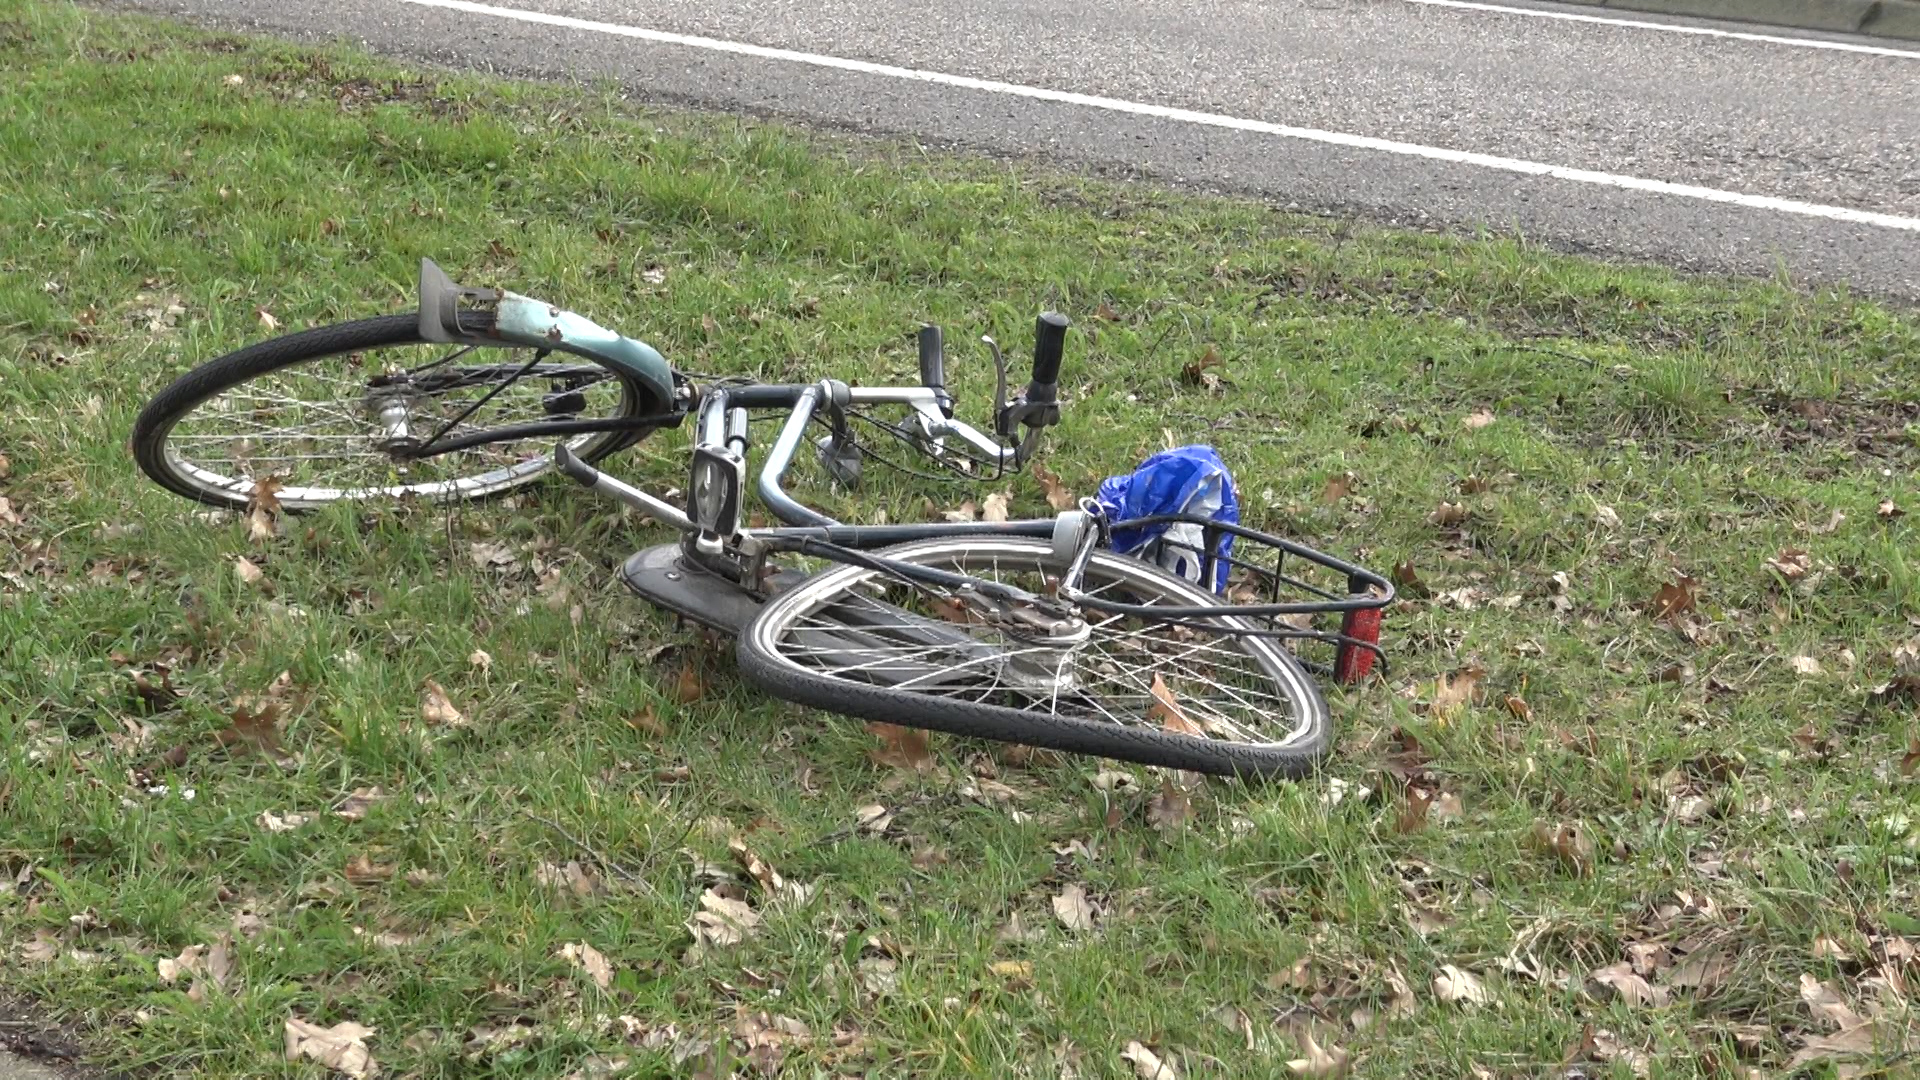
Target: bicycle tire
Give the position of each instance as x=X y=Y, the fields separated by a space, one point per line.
x=149 y=438
x=763 y=664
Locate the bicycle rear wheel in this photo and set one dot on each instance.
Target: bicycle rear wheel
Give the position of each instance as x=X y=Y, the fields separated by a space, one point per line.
x=328 y=413
x=859 y=641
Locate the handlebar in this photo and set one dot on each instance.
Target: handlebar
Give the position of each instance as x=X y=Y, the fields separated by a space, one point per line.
x=723 y=426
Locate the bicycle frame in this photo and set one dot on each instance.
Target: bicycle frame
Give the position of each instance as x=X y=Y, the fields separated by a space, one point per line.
x=718 y=572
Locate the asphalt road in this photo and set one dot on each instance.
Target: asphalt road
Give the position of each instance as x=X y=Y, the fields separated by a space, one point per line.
x=1381 y=108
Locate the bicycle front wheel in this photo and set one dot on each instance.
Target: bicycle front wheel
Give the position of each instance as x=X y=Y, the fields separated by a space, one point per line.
x=331 y=413
x=862 y=642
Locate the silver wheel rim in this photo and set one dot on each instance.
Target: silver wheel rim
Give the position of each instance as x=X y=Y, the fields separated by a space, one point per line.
x=341 y=434
x=1236 y=708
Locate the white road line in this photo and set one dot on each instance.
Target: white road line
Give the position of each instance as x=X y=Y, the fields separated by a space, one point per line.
x=1675 y=28
x=1189 y=116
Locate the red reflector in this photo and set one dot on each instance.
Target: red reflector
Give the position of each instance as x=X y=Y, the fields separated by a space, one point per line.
x=1352 y=663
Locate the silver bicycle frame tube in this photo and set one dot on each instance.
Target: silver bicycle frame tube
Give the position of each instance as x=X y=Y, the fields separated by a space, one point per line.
x=794 y=431
x=781 y=456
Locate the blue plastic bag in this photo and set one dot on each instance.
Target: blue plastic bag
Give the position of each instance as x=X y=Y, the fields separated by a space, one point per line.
x=1185 y=480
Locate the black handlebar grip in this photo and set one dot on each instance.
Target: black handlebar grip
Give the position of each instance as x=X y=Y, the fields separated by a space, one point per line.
x=933 y=367
x=1049 y=344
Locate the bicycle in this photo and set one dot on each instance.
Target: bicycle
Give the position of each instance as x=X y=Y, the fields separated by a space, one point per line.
x=1031 y=631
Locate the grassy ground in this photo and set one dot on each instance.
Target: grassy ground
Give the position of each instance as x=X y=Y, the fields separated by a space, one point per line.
x=1681 y=845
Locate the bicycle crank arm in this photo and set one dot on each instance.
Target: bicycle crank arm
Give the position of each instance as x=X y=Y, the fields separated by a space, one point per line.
x=589 y=477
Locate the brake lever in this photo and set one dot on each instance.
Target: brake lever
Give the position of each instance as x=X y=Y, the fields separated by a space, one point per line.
x=1000 y=380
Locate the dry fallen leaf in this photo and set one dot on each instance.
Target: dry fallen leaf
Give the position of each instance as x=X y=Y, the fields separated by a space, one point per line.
x=1886 y=511
x=219 y=961
x=481 y=659
x=1828 y=1005
x=572 y=877
x=1148 y=1065
x=1413 y=813
x=1447 y=515
x=1169 y=809
x=1704 y=969
x=1629 y=985
x=279 y=823
x=1319 y=1061
x=1401 y=1002
x=1894 y=691
x=44 y=947
x=723 y=920
x=648 y=722
x=1601 y=1046
x=250 y=574
x=156 y=696
x=1014 y=971
x=588 y=959
x=689 y=687
x=1195 y=373
x=362 y=870
x=1675 y=598
x=879 y=974
x=437 y=709
x=1804 y=665
x=342 y=1047
x=264 y=510
x=1518 y=706
x=1825 y=948
x=355 y=806
x=1463 y=987
x=487 y=554
x=1073 y=909
x=1854 y=1042
x=1166 y=711
x=966 y=511
x=901 y=747
x=1568 y=843
x=1337 y=488
x=1407 y=580
x=1477 y=419
x=775 y=886
x=1910 y=761
x=873 y=819
x=191 y=961
x=995 y=508
x=1056 y=492
x=255 y=729
x=1679 y=671
x=1457 y=690
x=1791 y=564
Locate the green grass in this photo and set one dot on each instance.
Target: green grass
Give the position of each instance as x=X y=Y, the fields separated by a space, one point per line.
x=1647 y=424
